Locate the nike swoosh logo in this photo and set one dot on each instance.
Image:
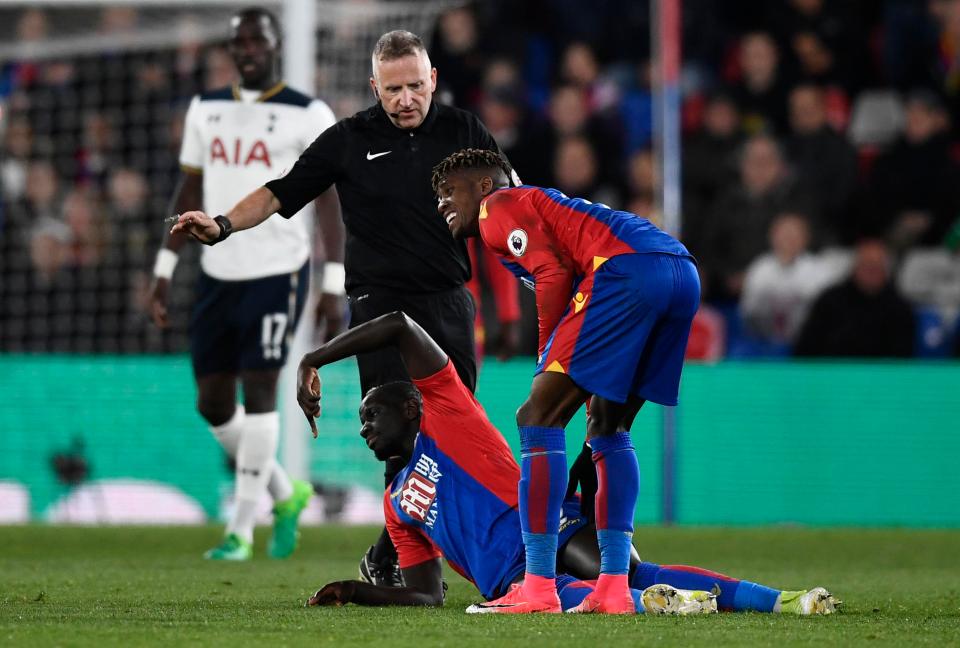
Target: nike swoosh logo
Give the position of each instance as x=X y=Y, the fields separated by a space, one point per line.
x=374 y=156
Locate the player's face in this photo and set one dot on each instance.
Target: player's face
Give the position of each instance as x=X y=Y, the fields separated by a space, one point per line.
x=459 y=204
x=253 y=48
x=405 y=87
x=383 y=427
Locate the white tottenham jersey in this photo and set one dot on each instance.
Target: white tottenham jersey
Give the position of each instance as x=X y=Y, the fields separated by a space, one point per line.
x=239 y=141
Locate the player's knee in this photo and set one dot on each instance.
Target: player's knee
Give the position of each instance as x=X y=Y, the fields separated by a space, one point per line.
x=532 y=413
x=259 y=401
x=260 y=391
x=600 y=423
x=214 y=410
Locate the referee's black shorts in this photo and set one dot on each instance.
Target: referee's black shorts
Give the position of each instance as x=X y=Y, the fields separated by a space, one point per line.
x=446 y=316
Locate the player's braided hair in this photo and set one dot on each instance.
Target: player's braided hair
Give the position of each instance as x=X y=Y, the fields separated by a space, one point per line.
x=470 y=158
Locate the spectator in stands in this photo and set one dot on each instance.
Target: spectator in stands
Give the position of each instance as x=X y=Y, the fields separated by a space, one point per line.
x=864 y=316
x=781 y=284
x=456 y=51
x=33 y=290
x=710 y=165
x=118 y=20
x=88 y=242
x=815 y=60
x=40 y=203
x=579 y=67
x=824 y=162
x=736 y=231
x=17 y=148
x=914 y=183
x=49 y=250
x=220 y=69
x=762 y=92
x=575 y=169
x=98 y=151
x=32 y=26
x=641 y=174
x=52 y=100
x=569 y=114
x=41 y=197
x=707 y=335
x=132 y=241
x=503 y=113
x=129 y=215
x=826 y=38
x=501 y=73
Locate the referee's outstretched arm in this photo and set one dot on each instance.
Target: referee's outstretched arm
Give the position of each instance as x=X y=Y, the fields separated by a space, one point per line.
x=249 y=212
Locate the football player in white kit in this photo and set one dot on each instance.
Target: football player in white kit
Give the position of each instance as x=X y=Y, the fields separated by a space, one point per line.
x=252 y=287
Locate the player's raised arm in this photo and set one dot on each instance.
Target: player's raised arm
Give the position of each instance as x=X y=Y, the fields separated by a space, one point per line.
x=421 y=355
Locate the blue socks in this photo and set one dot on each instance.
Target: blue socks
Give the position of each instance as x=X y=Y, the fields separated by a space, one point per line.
x=543 y=482
x=618 y=485
x=733 y=594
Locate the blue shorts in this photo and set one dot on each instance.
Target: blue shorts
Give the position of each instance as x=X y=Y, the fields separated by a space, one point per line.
x=625 y=331
x=245 y=325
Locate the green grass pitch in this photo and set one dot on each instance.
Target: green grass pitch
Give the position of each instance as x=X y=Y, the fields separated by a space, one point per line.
x=143 y=586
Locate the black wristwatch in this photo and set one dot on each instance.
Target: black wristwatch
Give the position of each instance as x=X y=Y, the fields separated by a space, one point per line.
x=226 y=228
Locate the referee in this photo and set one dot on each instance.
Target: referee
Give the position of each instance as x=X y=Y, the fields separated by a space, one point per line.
x=399 y=254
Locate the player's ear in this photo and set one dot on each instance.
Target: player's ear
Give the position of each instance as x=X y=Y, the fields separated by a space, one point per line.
x=373 y=86
x=411 y=409
x=486 y=185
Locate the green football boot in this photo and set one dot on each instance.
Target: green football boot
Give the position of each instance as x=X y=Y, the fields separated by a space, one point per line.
x=809 y=602
x=233 y=547
x=286 y=514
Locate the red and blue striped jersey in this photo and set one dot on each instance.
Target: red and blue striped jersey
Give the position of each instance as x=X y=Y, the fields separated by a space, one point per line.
x=458 y=495
x=551 y=241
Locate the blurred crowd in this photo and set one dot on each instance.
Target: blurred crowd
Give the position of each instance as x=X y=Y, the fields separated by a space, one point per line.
x=820 y=158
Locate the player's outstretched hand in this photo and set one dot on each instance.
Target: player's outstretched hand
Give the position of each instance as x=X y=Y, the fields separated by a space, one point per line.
x=158 y=301
x=330 y=310
x=337 y=593
x=308 y=394
x=508 y=341
x=198 y=225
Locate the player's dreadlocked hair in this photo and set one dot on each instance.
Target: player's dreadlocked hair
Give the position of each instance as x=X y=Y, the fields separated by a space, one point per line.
x=468 y=159
x=398 y=392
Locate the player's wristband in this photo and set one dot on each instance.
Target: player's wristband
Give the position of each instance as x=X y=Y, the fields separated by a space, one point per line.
x=164 y=265
x=226 y=229
x=334 y=276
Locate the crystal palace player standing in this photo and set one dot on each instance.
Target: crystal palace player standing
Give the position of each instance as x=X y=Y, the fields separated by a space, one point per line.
x=251 y=289
x=615 y=300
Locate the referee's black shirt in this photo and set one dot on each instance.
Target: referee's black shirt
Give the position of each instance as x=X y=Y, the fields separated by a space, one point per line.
x=394 y=236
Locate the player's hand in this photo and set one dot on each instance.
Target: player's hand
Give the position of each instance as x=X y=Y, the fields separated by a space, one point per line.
x=508 y=340
x=198 y=225
x=159 y=290
x=330 y=310
x=337 y=593
x=308 y=394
